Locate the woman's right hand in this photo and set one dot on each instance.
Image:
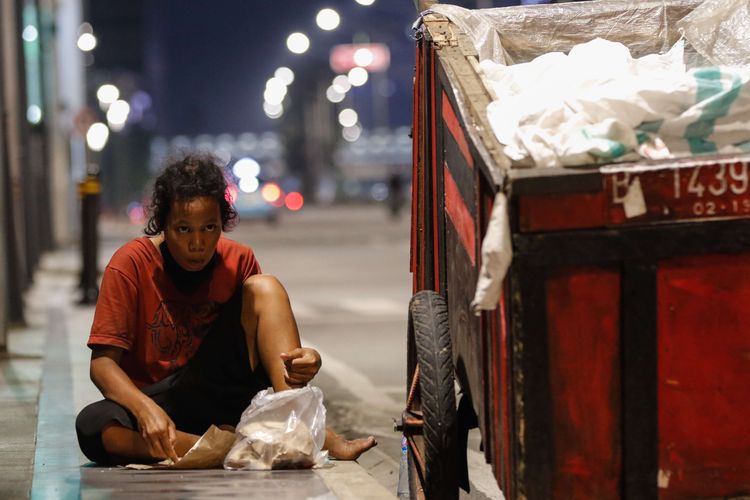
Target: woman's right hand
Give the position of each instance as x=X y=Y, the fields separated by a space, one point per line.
x=157 y=430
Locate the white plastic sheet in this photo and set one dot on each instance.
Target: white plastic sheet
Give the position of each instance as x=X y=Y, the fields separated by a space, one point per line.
x=720 y=31
x=512 y=35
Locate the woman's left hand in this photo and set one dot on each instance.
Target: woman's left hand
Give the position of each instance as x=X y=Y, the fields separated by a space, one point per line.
x=300 y=366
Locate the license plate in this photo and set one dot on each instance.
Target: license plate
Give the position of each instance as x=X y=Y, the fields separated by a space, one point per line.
x=717 y=190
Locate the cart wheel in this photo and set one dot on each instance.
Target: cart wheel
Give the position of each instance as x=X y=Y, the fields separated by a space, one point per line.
x=432 y=456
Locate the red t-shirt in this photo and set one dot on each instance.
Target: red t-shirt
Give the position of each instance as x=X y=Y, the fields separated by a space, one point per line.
x=142 y=311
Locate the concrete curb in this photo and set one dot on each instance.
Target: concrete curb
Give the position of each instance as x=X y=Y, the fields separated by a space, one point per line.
x=348 y=480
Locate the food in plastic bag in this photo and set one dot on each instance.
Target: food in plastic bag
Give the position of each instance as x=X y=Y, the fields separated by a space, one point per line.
x=280 y=430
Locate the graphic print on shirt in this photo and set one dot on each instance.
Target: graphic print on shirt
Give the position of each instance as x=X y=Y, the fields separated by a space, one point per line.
x=178 y=328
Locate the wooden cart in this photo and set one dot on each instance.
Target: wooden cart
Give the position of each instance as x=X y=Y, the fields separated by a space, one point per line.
x=617 y=362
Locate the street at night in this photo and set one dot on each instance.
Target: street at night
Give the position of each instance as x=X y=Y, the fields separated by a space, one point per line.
x=372 y=249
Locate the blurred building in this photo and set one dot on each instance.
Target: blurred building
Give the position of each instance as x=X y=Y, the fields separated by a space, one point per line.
x=41 y=152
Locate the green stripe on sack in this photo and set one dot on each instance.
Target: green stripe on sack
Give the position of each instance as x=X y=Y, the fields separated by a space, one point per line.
x=651 y=127
x=644 y=129
x=717 y=100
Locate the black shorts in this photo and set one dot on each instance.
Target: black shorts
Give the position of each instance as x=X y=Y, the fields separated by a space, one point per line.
x=214 y=387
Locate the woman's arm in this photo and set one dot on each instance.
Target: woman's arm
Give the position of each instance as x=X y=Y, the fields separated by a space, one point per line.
x=272 y=335
x=155 y=426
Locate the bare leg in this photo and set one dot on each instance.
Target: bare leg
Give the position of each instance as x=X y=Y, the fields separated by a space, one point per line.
x=270 y=329
x=128 y=444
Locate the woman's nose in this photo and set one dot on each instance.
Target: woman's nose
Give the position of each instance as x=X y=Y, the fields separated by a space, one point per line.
x=196 y=243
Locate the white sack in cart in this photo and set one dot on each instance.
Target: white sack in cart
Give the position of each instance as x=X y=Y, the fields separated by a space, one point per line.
x=597 y=104
x=282 y=430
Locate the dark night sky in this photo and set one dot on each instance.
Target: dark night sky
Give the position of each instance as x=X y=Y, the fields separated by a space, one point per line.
x=206 y=63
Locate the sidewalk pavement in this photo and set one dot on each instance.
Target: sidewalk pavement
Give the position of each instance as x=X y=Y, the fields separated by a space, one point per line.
x=44 y=382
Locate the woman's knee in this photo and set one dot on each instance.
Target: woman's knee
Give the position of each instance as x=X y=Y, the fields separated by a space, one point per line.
x=262 y=286
x=90 y=423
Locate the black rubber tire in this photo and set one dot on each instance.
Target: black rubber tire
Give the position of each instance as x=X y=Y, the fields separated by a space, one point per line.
x=430 y=347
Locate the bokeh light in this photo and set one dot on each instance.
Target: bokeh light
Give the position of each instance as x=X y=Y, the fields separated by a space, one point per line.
x=348 y=117
x=363 y=57
x=231 y=193
x=30 y=33
x=358 y=76
x=249 y=184
x=34 y=114
x=96 y=136
x=333 y=95
x=351 y=134
x=86 y=42
x=284 y=74
x=294 y=201
x=136 y=213
x=107 y=93
x=273 y=111
x=379 y=191
x=342 y=84
x=246 y=167
x=327 y=19
x=365 y=2
x=298 y=43
x=271 y=192
x=117 y=115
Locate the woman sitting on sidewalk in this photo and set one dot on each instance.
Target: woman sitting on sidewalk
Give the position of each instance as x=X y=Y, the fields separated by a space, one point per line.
x=187 y=330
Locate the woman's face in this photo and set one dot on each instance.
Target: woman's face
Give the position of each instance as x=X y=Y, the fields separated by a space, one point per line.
x=192 y=231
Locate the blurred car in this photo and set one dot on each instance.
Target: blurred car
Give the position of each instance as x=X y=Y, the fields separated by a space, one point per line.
x=255 y=204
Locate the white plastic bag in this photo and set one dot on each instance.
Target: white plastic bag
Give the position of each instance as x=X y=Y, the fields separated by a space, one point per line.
x=280 y=430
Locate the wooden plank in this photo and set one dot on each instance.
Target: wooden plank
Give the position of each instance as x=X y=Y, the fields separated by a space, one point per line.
x=647 y=242
x=532 y=405
x=703 y=376
x=583 y=318
x=639 y=361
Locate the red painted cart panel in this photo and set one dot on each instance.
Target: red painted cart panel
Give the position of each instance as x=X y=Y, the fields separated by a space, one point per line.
x=584 y=359
x=704 y=370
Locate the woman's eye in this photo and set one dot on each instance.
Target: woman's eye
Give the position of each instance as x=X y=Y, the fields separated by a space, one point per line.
x=210 y=227
x=183 y=229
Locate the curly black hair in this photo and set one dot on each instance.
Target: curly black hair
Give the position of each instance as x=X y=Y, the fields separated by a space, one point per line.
x=188 y=176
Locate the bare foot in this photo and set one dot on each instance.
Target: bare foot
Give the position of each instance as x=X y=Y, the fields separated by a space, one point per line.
x=341 y=448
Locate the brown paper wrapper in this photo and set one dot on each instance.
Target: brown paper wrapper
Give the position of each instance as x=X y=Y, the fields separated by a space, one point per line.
x=207 y=453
